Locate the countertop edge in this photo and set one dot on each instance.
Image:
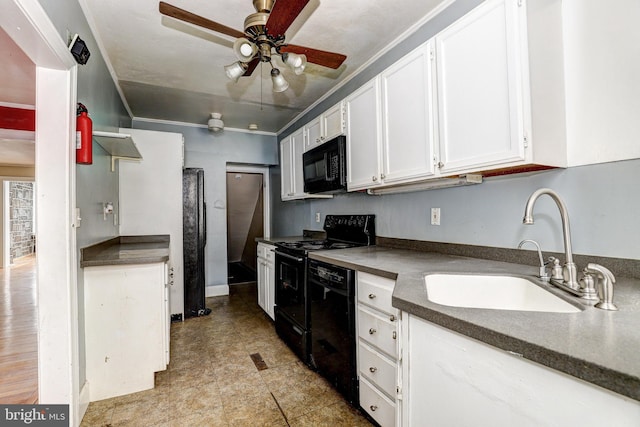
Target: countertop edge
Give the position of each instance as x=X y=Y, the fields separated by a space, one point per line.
x=606 y=377
x=126 y=250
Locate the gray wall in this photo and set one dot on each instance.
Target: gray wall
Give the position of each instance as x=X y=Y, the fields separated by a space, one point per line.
x=602 y=200
x=94 y=183
x=212 y=152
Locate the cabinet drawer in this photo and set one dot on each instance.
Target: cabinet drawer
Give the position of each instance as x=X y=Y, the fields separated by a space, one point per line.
x=377 y=368
x=380 y=407
x=376 y=291
x=378 y=330
x=264 y=251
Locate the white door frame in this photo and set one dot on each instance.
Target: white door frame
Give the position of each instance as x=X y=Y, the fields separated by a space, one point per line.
x=56 y=83
x=266 y=190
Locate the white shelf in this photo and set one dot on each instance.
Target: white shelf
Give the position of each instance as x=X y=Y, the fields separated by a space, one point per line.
x=117 y=144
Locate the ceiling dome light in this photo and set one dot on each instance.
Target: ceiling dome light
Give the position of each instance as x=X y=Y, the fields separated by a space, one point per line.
x=215 y=123
x=235 y=71
x=253 y=126
x=244 y=49
x=279 y=83
x=296 y=62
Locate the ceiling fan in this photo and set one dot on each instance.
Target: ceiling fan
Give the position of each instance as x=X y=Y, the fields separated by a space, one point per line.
x=262 y=38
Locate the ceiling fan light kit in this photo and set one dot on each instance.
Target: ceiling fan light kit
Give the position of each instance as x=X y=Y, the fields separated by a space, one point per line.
x=296 y=62
x=235 y=71
x=263 y=37
x=244 y=49
x=279 y=82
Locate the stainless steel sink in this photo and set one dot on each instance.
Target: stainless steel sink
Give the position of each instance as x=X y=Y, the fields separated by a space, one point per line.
x=493 y=292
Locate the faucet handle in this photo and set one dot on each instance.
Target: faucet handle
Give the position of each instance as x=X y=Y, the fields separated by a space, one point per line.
x=556 y=269
x=588 y=286
x=606 y=285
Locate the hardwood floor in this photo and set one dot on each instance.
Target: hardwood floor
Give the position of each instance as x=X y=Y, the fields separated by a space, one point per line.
x=19 y=333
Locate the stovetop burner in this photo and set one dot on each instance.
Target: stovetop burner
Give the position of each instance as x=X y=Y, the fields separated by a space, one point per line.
x=343 y=231
x=316 y=245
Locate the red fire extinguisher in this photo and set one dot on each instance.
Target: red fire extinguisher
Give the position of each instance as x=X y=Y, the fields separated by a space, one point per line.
x=84 y=136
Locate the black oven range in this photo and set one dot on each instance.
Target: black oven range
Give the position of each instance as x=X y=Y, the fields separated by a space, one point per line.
x=293 y=298
x=297 y=300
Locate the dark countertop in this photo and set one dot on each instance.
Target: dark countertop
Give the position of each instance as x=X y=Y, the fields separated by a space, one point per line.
x=126 y=250
x=598 y=346
x=274 y=240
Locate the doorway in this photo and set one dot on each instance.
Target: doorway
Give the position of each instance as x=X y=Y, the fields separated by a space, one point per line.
x=247 y=219
x=21 y=231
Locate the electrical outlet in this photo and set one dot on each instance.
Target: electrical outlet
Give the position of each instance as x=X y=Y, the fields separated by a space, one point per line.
x=435 y=216
x=317 y=216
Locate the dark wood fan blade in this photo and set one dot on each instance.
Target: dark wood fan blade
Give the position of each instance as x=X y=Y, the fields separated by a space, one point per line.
x=251 y=66
x=320 y=57
x=284 y=12
x=192 y=18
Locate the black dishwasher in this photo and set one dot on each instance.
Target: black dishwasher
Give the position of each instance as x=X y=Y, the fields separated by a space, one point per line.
x=333 y=340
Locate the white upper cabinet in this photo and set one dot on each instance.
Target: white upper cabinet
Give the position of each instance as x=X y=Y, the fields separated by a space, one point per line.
x=466 y=101
x=291 y=149
x=480 y=90
x=292 y=185
x=363 y=137
x=313 y=134
x=327 y=126
x=408 y=117
x=333 y=121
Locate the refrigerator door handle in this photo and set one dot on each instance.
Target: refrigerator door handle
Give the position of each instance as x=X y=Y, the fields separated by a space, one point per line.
x=204 y=204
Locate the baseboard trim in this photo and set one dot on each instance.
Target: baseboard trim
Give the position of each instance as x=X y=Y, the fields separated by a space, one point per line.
x=84 y=401
x=216 y=291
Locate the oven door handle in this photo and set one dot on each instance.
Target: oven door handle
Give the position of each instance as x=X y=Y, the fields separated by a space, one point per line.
x=297 y=259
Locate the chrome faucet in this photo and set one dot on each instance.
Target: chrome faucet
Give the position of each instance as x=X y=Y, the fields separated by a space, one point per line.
x=566 y=277
x=543 y=269
x=570 y=274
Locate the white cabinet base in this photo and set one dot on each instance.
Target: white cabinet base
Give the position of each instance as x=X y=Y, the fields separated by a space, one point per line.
x=125 y=327
x=453 y=380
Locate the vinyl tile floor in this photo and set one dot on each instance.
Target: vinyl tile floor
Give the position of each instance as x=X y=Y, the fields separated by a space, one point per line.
x=212 y=379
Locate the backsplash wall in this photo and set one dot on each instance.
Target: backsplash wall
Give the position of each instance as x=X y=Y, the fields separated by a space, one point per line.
x=602 y=201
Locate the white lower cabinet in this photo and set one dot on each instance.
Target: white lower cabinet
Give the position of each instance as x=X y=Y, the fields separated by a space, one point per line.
x=453 y=380
x=379 y=352
x=266 y=278
x=126 y=325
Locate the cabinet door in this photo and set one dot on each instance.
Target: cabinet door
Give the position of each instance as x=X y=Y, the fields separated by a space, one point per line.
x=363 y=137
x=286 y=169
x=262 y=283
x=479 y=89
x=297 y=149
x=313 y=134
x=333 y=122
x=408 y=119
x=270 y=284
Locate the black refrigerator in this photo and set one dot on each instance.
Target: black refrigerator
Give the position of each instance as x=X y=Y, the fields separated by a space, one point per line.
x=194 y=217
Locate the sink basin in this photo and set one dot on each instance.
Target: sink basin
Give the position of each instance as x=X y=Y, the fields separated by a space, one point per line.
x=494 y=292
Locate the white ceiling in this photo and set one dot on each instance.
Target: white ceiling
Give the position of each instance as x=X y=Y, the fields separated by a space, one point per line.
x=169 y=70
x=17 y=88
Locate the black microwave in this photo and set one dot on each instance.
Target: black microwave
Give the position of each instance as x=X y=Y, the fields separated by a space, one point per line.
x=325 y=167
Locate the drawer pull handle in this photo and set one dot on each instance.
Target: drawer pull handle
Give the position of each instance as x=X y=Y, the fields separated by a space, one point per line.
x=394 y=335
x=372 y=331
x=373 y=407
x=373 y=369
x=372 y=296
x=392 y=318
